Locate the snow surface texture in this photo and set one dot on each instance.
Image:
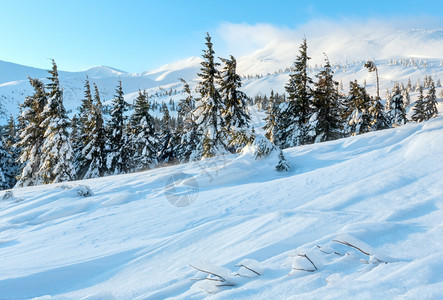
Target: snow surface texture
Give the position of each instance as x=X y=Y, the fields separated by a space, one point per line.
x=357 y=217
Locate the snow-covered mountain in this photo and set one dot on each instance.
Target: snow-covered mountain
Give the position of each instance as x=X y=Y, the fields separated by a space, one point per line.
x=348 y=55
x=360 y=217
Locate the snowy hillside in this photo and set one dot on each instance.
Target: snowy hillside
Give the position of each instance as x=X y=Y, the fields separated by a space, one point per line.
x=360 y=217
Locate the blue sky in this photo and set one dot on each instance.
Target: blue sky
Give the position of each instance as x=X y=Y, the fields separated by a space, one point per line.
x=137 y=36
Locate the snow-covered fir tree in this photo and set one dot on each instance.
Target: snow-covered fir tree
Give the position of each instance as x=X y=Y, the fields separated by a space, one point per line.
x=118 y=151
x=431 y=102
x=143 y=136
x=9 y=144
x=57 y=154
x=271 y=116
x=406 y=96
x=208 y=113
x=395 y=107
x=378 y=116
x=94 y=151
x=84 y=129
x=31 y=134
x=188 y=132
x=9 y=154
x=294 y=114
x=325 y=123
x=166 y=149
x=235 y=114
x=76 y=141
x=356 y=115
x=7 y=168
x=418 y=112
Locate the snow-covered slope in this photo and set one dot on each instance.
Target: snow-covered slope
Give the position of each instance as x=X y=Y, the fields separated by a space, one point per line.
x=380 y=192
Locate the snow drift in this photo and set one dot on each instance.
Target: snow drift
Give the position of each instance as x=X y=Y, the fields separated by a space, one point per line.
x=361 y=216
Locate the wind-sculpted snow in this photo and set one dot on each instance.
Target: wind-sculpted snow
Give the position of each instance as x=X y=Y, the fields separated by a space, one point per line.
x=358 y=217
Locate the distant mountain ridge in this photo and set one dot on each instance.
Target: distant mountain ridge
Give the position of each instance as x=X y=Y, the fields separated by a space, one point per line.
x=348 y=50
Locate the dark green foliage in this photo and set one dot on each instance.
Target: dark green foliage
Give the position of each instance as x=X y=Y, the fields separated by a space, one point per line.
x=94 y=151
x=118 y=151
x=377 y=115
x=395 y=107
x=57 y=154
x=166 y=153
x=143 y=136
x=431 y=102
x=208 y=113
x=356 y=114
x=294 y=115
x=418 y=114
x=235 y=113
x=31 y=134
x=326 y=122
x=188 y=135
x=271 y=116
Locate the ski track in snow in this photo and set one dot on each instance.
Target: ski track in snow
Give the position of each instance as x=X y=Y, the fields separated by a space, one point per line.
x=380 y=192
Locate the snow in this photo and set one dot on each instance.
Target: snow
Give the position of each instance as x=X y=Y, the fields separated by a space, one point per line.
x=347 y=48
x=379 y=192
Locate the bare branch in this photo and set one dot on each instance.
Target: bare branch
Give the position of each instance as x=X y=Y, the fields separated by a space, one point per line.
x=350 y=245
x=335 y=252
x=250 y=269
x=364 y=252
x=204 y=271
x=304 y=255
x=298 y=269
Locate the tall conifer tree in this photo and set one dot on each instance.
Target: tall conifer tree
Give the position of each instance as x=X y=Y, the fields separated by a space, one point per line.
x=208 y=113
x=294 y=115
x=357 y=116
x=143 y=138
x=118 y=150
x=57 y=154
x=418 y=114
x=31 y=134
x=94 y=151
x=189 y=135
x=431 y=110
x=395 y=107
x=326 y=119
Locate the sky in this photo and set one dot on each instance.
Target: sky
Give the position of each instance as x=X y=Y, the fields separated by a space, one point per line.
x=138 y=35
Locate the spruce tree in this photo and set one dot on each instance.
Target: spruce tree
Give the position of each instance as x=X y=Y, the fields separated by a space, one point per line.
x=8 y=156
x=235 y=114
x=118 y=149
x=326 y=119
x=188 y=132
x=419 y=114
x=431 y=102
x=31 y=134
x=84 y=129
x=76 y=143
x=57 y=154
x=94 y=152
x=356 y=115
x=143 y=135
x=395 y=107
x=271 y=116
x=208 y=113
x=7 y=170
x=294 y=115
x=377 y=116
x=166 y=151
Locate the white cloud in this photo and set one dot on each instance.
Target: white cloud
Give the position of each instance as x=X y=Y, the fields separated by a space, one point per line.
x=264 y=48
